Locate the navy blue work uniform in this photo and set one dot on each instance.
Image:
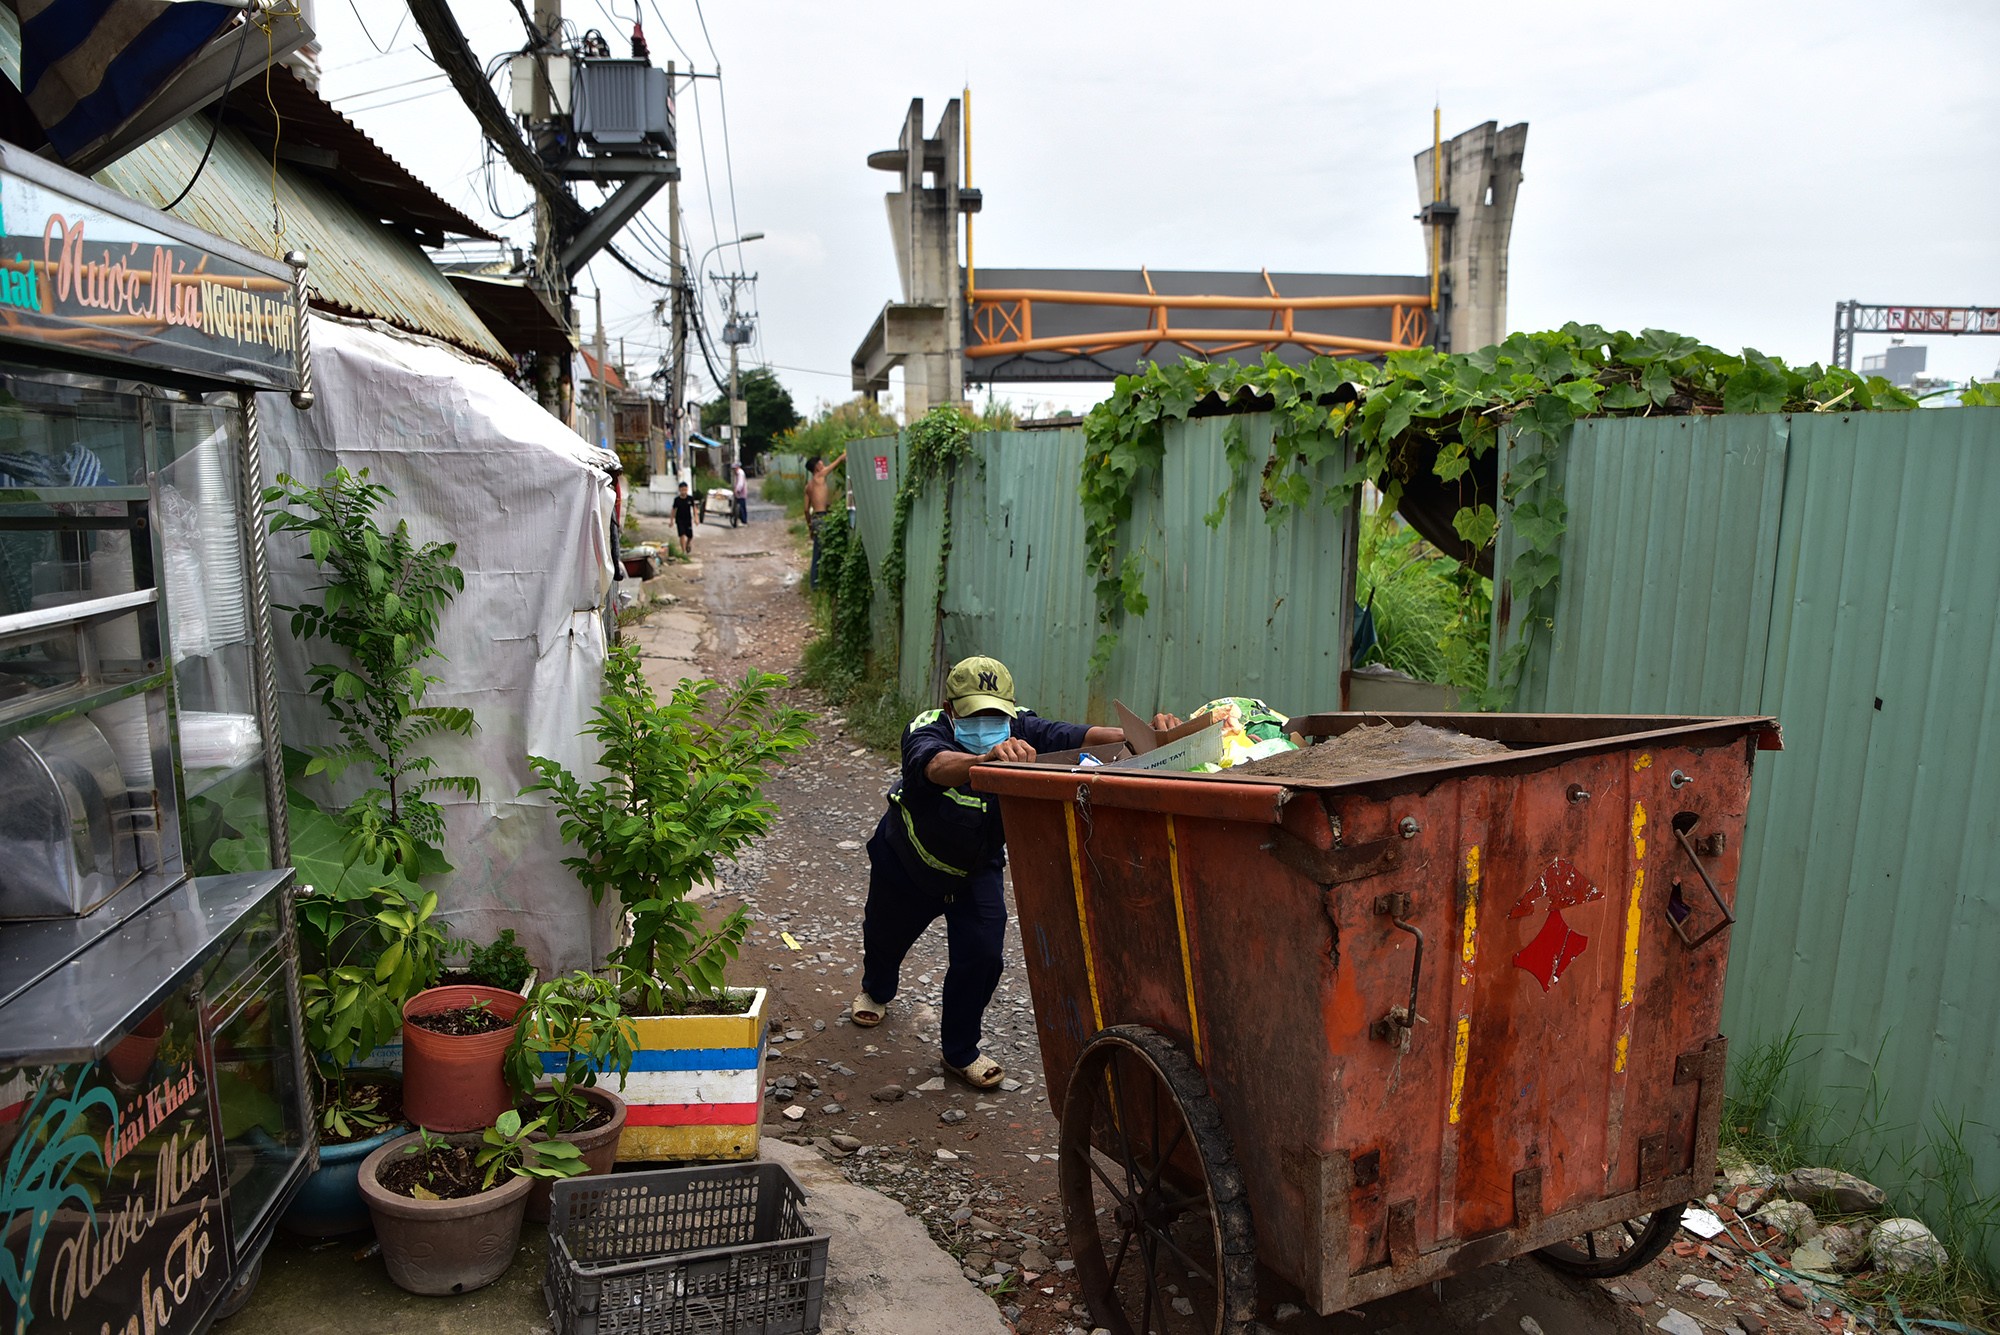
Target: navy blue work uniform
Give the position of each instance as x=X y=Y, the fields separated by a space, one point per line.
x=938 y=851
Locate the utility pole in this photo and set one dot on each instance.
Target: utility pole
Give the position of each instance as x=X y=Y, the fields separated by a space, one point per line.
x=677 y=376
x=738 y=415
x=603 y=383
x=736 y=334
x=549 y=273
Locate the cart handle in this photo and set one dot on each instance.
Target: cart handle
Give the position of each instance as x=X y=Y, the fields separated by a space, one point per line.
x=1396 y=1026
x=1728 y=918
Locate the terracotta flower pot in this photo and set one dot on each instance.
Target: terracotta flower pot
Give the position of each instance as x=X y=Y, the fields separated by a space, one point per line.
x=451 y=1082
x=133 y=1055
x=599 y=1147
x=441 y=1247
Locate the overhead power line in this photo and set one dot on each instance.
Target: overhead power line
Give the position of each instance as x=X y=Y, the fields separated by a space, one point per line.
x=452 y=54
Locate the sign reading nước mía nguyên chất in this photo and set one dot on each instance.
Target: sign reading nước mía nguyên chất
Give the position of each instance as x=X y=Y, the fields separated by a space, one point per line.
x=80 y=278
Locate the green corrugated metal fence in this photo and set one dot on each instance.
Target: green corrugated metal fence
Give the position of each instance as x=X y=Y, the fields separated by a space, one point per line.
x=1843 y=574
x=1246 y=607
x=873 y=492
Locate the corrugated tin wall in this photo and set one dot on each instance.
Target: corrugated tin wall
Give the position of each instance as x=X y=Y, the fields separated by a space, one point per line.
x=1243 y=608
x=874 y=513
x=1842 y=573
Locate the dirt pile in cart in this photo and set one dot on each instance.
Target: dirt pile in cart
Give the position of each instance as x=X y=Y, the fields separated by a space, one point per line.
x=1371 y=750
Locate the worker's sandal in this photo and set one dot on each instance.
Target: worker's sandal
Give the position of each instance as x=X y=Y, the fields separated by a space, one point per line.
x=865 y=1011
x=981 y=1073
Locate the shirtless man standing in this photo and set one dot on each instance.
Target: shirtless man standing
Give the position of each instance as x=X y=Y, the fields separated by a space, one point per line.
x=817 y=494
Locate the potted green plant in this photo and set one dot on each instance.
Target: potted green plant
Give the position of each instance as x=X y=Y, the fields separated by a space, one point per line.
x=368 y=941
x=500 y=963
x=448 y=1209
x=378 y=610
x=682 y=788
x=571 y=1032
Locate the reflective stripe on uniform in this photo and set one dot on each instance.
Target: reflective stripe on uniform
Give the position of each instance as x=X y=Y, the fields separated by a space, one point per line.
x=910 y=829
x=925 y=719
x=966 y=799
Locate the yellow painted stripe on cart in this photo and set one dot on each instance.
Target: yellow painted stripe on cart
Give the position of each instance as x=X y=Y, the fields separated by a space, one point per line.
x=1628 y=979
x=1082 y=915
x=1180 y=920
x=1468 y=947
x=1468 y=954
x=1461 y=1048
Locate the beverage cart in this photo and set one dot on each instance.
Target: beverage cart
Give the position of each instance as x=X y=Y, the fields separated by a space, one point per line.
x=154 y=1117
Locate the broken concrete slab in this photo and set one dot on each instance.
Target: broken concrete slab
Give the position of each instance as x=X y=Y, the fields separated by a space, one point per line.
x=884 y=1274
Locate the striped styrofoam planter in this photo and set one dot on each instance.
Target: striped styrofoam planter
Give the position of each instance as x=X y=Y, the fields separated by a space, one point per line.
x=697 y=1085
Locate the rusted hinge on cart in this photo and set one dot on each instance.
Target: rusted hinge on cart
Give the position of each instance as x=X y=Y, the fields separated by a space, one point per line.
x=1339 y=864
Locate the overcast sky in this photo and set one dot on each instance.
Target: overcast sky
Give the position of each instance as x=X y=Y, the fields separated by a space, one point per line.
x=1726 y=170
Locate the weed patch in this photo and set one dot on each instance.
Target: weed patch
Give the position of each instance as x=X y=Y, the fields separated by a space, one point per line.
x=1769 y=1117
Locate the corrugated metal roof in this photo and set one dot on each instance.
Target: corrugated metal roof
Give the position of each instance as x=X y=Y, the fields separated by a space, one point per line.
x=1843 y=574
x=295 y=117
x=517 y=314
x=357 y=266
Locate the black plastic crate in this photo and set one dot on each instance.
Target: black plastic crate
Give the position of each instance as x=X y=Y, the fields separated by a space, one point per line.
x=719 y=1249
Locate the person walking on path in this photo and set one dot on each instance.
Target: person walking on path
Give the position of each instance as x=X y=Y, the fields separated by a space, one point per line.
x=741 y=486
x=938 y=850
x=818 y=497
x=684 y=519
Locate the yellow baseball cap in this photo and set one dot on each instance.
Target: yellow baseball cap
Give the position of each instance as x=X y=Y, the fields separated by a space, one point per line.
x=974 y=684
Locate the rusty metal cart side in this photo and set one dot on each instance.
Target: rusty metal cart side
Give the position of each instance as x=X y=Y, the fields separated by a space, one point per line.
x=1371 y=1033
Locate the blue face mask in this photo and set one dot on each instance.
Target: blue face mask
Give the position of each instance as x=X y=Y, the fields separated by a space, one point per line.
x=980 y=735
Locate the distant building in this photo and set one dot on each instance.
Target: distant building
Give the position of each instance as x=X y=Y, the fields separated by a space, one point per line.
x=1900 y=363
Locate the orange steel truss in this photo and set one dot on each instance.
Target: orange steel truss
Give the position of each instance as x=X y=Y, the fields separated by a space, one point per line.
x=1003 y=322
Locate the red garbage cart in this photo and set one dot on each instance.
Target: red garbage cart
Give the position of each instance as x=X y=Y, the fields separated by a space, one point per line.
x=1372 y=1030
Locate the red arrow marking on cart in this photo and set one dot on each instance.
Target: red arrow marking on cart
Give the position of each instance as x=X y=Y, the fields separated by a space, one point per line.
x=1561 y=884
x=1553 y=950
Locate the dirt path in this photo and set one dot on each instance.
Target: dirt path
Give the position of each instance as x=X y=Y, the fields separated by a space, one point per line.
x=977 y=1169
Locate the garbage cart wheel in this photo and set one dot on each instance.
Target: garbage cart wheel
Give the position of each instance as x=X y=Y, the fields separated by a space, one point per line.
x=1157 y=1220
x=1617 y=1250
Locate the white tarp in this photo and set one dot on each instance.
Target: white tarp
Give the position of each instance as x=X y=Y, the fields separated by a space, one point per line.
x=472 y=460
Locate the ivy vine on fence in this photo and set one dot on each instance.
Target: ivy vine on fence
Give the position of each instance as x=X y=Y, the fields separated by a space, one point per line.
x=1418 y=405
x=932 y=446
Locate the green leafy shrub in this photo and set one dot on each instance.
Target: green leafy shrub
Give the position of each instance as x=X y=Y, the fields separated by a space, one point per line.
x=682 y=788
x=501 y=963
x=509 y=1146
x=1421 y=404
x=577 y=1017
x=1432 y=615
x=379 y=608
x=368 y=941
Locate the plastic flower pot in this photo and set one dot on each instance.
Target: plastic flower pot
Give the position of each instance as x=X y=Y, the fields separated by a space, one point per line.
x=443 y=1247
x=598 y=1146
x=454 y=1082
x=329 y=1202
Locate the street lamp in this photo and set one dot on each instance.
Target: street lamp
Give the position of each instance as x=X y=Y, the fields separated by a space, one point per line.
x=745 y=239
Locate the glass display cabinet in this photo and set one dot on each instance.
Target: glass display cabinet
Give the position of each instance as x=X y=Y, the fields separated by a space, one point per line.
x=154 y=1111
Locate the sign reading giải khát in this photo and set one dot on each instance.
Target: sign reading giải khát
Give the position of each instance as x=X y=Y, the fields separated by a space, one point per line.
x=80 y=277
x=112 y=1217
